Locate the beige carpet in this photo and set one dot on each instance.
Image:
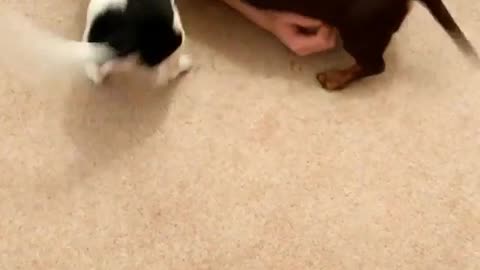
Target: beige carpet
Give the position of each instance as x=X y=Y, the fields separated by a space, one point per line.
x=245 y=163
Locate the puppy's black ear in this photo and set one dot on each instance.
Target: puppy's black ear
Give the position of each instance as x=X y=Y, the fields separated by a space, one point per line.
x=124 y=41
x=157 y=41
x=112 y=27
x=155 y=48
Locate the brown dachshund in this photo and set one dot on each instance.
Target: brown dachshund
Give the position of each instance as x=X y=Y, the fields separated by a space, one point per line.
x=366 y=28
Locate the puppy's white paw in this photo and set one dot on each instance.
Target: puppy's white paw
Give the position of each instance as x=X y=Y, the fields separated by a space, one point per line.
x=94 y=74
x=106 y=69
x=185 y=63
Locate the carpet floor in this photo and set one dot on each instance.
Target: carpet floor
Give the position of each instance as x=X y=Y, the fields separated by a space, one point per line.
x=245 y=162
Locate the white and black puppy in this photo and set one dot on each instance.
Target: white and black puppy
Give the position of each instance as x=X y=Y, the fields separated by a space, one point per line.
x=145 y=32
x=118 y=35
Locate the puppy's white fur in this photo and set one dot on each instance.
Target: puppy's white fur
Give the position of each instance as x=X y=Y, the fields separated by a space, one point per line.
x=22 y=41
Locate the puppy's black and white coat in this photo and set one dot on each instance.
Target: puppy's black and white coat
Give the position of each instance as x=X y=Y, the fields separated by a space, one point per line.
x=118 y=35
x=145 y=32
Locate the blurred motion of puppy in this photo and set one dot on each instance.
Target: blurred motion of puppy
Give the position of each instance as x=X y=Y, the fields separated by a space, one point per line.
x=119 y=35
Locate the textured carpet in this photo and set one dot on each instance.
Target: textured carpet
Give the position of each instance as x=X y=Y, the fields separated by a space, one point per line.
x=244 y=163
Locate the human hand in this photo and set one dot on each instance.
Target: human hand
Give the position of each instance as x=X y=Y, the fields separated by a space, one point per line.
x=287 y=27
x=301 y=34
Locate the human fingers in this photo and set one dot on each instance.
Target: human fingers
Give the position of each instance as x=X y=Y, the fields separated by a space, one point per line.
x=305 y=45
x=299 y=20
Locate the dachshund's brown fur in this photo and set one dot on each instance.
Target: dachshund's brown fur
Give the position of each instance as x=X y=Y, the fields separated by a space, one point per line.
x=366 y=28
